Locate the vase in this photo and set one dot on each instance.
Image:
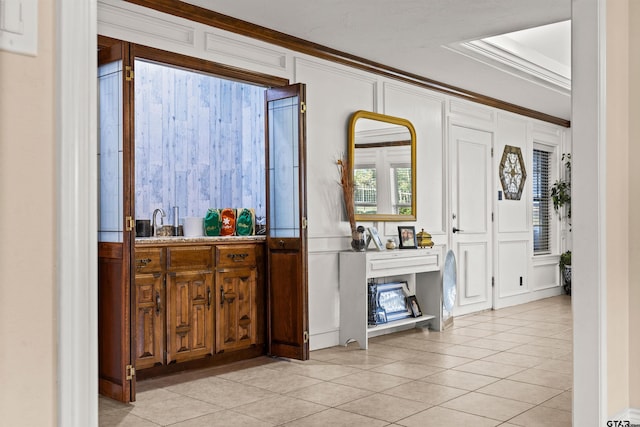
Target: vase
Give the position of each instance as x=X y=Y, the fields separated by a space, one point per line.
x=358 y=242
x=566 y=278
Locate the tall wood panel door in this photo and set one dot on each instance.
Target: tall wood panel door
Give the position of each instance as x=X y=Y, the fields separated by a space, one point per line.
x=115 y=356
x=287 y=288
x=471 y=207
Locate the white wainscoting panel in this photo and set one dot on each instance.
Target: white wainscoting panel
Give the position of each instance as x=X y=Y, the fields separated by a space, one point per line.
x=512 y=266
x=228 y=50
x=426 y=112
x=324 y=300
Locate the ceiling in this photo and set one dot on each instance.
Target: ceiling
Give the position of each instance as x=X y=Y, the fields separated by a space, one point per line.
x=415 y=36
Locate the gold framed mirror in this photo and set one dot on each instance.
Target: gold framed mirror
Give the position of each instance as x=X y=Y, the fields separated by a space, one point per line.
x=382 y=158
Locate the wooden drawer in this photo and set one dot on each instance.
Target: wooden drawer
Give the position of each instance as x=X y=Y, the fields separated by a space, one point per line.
x=189 y=258
x=236 y=256
x=148 y=260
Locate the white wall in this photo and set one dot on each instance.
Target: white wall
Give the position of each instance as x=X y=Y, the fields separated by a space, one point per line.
x=333 y=93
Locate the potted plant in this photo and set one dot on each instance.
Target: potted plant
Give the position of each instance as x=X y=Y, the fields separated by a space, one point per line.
x=561 y=189
x=561 y=197
x=565 y=270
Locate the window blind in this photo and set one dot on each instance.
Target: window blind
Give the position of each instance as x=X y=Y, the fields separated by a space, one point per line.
x=541 y=202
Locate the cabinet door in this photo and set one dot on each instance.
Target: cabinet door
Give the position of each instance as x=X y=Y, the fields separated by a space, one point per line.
x=149 y=320
x=236 y=309
x=189 y=315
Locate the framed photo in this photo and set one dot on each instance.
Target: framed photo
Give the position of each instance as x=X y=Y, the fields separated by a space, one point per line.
x=407 y=236
x=375 y=237
x=412 y=302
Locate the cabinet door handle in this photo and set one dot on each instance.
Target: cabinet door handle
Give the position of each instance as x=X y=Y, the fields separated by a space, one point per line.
x=221 y=296
x=208 y=297
x=158 y=303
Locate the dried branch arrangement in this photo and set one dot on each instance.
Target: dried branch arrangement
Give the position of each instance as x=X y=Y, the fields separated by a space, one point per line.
x=346 y=182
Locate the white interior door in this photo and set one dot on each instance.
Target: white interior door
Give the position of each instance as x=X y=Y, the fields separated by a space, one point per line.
x=471 y=217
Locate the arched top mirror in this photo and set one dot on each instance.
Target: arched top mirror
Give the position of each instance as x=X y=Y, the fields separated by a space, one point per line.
x=382 y=156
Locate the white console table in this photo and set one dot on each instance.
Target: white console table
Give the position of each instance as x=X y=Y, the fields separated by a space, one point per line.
x=420 y=268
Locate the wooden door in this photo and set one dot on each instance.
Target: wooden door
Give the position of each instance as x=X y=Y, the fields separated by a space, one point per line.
x=236 y=308
x=115 y=359
x=189 y=315
x=287 y=292
x=471 y=221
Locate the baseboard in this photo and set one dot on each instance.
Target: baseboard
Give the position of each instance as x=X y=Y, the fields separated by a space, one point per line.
x=630 y=414
x=324 y=339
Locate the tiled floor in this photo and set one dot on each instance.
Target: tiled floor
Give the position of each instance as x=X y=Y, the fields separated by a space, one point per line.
x=509 y=367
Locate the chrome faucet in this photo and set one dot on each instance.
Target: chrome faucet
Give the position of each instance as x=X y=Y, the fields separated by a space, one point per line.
x=155 y=227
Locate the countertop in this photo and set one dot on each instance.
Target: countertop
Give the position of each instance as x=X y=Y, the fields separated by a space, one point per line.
x=168 y=240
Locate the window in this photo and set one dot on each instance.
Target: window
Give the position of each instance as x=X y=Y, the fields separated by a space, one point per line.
x=401 y=178
x=366 y=192
x=541 y=202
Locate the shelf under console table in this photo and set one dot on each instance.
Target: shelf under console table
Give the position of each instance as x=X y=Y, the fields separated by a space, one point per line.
x=420 y=268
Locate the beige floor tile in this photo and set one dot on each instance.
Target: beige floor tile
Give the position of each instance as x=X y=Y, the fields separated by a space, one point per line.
x=443 y=417
x=385 y=407
x=449 y=338
x=491 y=369
x=492 y=326
x=562 y=401
x=511 y=322
x=468 y=351
x=544 y=378
x=221 y=392
x=459 y=379
x=566 y=335
x=360 y=359
x=510 y=337
x=372 y=381
x=491 y=344
x=105 y=404
x=174 y=410
x=280 y=409
x=123 y=418
x=515 y=359
x=388 y=350
x=410 y=370
x=420 y=345
x=325 y=371
x=224 y=418
x=429 y=393
x=541 y=416
x=463 y=323
x=471 y=332
x=493 y=407
x=539 y=350
x=522 y=392
x=555 y=365
x=155 y=395
x=553 y=342
x=336 y=418
x=274 y=380
x=330 y=394
x=534 y=332
x=440 y=360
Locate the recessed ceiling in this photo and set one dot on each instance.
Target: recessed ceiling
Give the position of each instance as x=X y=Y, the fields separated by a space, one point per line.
x=416 y=35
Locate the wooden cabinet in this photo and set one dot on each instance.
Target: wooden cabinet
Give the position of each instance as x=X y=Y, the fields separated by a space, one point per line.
x=194 y=301
x=189 y=315
x=149 y=307
x=236 y=297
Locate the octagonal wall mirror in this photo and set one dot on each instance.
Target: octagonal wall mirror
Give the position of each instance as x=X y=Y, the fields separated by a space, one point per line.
x=382 y=156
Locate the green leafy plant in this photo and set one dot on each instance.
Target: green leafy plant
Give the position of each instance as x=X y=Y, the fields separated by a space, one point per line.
x=565 y=259
x=561 y=189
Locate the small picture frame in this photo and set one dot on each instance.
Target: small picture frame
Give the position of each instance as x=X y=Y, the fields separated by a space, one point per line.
x=380 y=316
x=407 y=237
x=412 y=302
x=375 y=237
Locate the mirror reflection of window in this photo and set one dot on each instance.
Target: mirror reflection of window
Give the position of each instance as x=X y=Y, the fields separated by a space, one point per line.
x=382 y=159
x=366 y=190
